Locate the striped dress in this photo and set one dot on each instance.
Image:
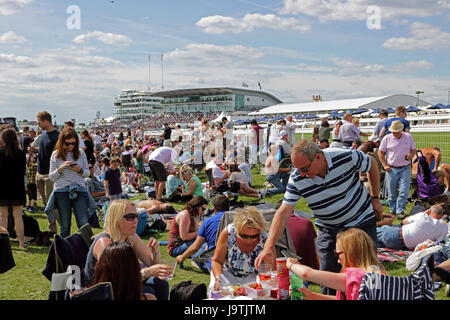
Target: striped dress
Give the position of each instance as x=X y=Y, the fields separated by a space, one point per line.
x=339 y=200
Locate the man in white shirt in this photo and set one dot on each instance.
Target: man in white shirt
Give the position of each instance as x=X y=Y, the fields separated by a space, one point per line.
x=290 y=129
x=427 y=225
x=283 y=142
x=156 y=160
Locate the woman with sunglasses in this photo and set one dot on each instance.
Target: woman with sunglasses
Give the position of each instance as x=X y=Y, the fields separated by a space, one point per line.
x=237 y=248
x=68 y=168
x=357 y=254
x=185 y=226
x=120 y=225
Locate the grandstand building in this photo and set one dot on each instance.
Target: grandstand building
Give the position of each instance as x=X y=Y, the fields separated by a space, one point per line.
x=133 y=105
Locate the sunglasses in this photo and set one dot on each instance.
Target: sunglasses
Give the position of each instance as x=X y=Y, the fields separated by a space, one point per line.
x=247 y=236
x=130 y=216
x=338 y=253
x=70 y=143
x=306 y=169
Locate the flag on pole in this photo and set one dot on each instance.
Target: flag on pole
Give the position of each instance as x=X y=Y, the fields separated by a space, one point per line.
x=244 y=85
x=259 y=84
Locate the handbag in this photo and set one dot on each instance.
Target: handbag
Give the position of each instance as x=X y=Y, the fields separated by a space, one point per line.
x=188 y=291
x=6 y=257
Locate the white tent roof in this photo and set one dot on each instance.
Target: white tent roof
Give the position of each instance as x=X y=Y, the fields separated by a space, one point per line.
x=321 y=106
x=344 y=105
x=219 y=118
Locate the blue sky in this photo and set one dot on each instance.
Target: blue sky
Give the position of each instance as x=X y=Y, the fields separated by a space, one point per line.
x=293 y=48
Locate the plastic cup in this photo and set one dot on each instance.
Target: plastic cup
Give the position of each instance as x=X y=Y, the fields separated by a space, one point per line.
x=173 y=265
x=264 y=272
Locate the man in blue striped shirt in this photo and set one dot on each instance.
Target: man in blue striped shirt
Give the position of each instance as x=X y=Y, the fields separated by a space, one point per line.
x=329 y=182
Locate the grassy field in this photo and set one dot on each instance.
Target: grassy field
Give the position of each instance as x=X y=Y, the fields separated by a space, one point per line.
x=25 y=281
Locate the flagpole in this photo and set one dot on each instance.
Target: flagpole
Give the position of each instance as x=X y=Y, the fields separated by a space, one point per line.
x=162 y=71
x=149 y=82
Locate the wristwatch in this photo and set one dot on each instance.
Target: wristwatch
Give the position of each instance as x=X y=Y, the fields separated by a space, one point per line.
x=143 y=274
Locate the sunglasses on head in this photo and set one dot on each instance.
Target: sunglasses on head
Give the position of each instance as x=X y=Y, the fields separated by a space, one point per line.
x=70 y=143
x=338 y=253
x=130 y=216
x=248 y=236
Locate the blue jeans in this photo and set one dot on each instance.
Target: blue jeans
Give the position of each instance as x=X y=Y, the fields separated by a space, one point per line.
x=157 y=287
x=389 y=237
x=181 y=248
x=65 y=205
x=398 y=182
x=202 y=265
x=279 y=180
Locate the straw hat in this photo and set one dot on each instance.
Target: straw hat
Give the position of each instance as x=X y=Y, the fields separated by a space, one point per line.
x=396 y=126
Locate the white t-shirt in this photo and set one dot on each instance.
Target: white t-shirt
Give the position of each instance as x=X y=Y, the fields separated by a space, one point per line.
x=422 y=227
x=216 y=172
x=97 y=139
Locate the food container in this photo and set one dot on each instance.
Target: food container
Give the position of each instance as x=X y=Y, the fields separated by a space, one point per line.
x=258 y=294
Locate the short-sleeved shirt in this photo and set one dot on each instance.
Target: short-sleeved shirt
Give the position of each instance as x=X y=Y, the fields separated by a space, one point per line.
x=340 y=199
x=208 y=229
x=397 y=149
x=113 y=178
x=421 y=227
x=167 y=133
x=402 y=120
x=164 y=155
x=198 y=187
x=379 y=126
x=25 y=141
x=47 y=143
x=349 y=132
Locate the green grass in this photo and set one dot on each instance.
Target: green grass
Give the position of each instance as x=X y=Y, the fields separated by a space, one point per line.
x=26 y=282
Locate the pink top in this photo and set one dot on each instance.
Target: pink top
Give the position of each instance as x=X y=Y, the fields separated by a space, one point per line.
x=353 y=280
x=397 y=149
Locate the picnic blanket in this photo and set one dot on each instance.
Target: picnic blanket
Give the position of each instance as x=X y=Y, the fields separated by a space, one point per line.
x=390 y=255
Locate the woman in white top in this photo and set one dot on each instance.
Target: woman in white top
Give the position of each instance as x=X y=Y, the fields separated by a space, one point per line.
x=68 y=168
x=335 y=134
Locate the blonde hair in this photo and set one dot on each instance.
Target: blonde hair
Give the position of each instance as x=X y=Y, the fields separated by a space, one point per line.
x=360 y=251
x=250 y=217
x=115 y=212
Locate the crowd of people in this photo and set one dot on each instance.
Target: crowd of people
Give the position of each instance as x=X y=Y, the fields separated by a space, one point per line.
x=342 y=183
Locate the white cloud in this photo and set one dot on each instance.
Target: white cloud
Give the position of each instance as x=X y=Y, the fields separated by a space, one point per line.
x=203 y=54
x=350 y=67
x=11 y=37
x=14 y=60
x=423 y=36
x=221 y=24
x=8 y=7
x=356 y=10
x=106 y=38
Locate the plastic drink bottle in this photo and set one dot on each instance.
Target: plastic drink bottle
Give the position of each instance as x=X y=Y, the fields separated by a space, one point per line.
x=296 y=283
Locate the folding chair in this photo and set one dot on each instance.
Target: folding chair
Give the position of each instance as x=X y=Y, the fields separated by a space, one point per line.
x=102 y=291
x=205 y=257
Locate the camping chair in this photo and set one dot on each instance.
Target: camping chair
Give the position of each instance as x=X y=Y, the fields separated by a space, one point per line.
x=69 y=251
x=419 y=285
x=101 y=291
x=204 y=257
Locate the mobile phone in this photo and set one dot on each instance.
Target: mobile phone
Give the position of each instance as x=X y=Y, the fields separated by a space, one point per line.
x=290 y=254
x=73 y=164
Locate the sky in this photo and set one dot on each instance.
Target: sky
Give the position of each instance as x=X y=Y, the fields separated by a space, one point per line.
x=72 y=58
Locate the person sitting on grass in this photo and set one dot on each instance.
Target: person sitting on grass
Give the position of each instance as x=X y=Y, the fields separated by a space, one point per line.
x=173 y=182
x=237 y=247
x=185 y=226
x=192 y=186
x=357 y=254
x=239 y=183
x=206 y=238
x=120 y=224
x=119 y=265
